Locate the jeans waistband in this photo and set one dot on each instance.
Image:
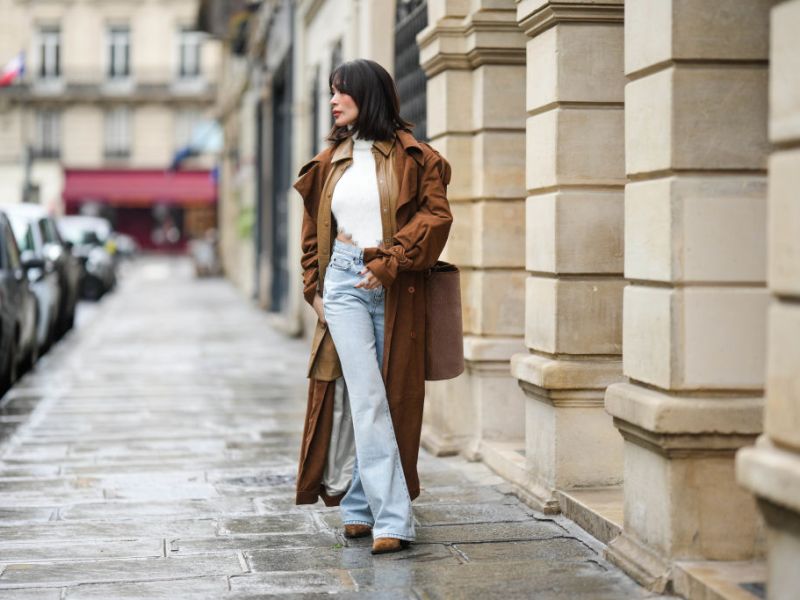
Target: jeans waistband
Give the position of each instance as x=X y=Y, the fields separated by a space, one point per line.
x=349 y=249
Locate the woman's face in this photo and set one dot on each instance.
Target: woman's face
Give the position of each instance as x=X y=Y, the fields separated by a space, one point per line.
x=343 y=107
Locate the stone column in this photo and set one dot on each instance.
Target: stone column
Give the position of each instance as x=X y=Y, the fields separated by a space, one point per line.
x=771 y=470
x=574 y=216
x=473 y=55
x=695 y=308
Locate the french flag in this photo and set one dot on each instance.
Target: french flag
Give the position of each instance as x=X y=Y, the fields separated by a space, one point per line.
x=14 y=69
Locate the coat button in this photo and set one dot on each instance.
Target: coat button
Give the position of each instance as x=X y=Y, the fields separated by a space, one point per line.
x=411 y=290
x=413 y=335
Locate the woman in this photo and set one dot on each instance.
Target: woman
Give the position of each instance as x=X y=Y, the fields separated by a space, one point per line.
x=376 y=217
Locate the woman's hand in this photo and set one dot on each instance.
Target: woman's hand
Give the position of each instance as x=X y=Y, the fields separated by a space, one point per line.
x=318 y=308
x=370 y=282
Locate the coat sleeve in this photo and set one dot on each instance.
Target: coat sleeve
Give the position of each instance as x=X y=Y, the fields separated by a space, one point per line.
x=309 y=260
x=418 y=244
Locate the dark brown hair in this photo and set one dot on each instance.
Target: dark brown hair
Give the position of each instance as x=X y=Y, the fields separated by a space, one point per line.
x=374 y=92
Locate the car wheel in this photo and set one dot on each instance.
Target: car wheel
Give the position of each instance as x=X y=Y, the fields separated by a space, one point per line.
x=71 y=318
x=33 y=354
x=8 y=368
x=93 y=290
x=12 y=371
x=50 y=336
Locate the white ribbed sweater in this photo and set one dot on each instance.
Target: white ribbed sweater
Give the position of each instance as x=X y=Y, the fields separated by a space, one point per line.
x=356 y=199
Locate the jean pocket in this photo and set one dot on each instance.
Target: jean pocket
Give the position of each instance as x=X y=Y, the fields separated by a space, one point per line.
x=340 y=263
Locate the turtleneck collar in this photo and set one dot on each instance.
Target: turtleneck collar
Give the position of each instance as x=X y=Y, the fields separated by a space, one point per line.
x=357 y=139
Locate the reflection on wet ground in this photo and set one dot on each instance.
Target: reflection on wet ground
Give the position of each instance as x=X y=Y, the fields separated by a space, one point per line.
x=152 y=454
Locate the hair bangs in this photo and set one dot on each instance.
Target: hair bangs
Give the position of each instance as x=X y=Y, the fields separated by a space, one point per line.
x=338 y=80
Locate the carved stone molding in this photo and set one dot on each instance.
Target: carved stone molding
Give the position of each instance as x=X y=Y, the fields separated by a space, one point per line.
x=484 y=38
x=554 y=13
x=677 y=445
x=565 y=374
x=563 y=398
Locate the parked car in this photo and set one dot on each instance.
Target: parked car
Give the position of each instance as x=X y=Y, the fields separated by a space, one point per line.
x=126 y=246
x=66 y=265
x=18 y=348
x=27 y=222
x=90 y=238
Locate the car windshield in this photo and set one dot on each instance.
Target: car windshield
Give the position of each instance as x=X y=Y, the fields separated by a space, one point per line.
x=22 y=232
x=80 y=232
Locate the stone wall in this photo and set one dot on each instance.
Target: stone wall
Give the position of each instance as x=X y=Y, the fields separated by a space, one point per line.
x=695 y=306
x=473 y=55
x=771 y=470
x=574 y=215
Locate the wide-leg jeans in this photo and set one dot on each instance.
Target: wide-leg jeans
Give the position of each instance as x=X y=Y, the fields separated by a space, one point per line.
x=378 y=495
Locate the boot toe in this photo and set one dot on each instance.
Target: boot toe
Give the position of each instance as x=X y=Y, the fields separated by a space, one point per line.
x=385 y=545
x=357 y=530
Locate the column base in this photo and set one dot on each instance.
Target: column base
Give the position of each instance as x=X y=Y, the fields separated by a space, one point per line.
x=597 y=511
x=483 y=403
x=571 y=441
x=773 y=475
x=537 y=496
x=640 y=562
x=439 y=444
x=507 y=459
x=682 y=502
x=720 y=580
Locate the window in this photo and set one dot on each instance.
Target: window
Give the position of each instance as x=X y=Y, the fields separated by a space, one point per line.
x=185 y=123
x=23 y=232
x=118 y=133
x=49 y=231
x=411 y=18
x=47 y=141
x=119 y=52
x=317 y=102
x=189 y=43
x=336 y=60
x=49 y=53
x=12 y=251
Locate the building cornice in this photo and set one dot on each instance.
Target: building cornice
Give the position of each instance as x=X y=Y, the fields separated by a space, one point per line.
x=553 y=13
x=94 y=93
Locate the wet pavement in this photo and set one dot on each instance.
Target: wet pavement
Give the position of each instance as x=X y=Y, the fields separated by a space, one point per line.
x=152 y=454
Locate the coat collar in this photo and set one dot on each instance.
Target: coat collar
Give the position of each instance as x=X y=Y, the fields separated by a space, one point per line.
x=344 y=150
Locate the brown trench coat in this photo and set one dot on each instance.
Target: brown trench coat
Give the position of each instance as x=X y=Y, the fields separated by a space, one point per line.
x=412 y=181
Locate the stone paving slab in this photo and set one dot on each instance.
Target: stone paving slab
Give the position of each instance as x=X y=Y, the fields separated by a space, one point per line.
x=205 y=508
x=118 y=570
x=53 y=531
x=195 y=588
x=32 y=594
x=152 y=454
x=276 y=542
x=80 y=550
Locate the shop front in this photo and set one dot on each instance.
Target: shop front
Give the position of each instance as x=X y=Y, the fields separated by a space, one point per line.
x=161 y=210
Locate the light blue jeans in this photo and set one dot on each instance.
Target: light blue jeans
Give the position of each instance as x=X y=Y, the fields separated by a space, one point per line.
x=378 y=495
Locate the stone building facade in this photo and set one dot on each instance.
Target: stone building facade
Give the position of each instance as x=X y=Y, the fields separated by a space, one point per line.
x=771 y=469
x=272 y=104
x=113 y=89
x=626 y=297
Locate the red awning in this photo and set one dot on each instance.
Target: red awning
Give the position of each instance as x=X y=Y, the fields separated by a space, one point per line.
x=129 y=187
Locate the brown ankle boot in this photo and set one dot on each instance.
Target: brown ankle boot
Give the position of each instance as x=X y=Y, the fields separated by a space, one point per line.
x=385 y=545
x=356 y=530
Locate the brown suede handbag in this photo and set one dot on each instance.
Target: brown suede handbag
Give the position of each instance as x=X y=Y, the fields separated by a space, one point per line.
x=444 y=335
